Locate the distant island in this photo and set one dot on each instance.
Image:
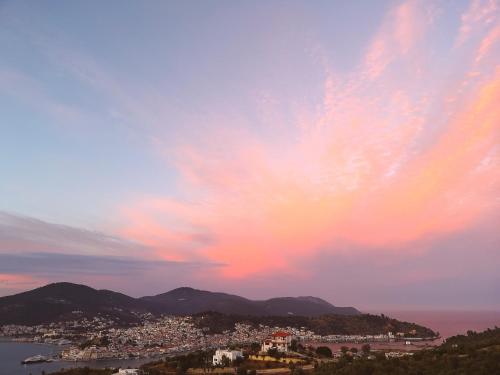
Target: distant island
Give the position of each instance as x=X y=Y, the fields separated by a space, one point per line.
x=323 y=325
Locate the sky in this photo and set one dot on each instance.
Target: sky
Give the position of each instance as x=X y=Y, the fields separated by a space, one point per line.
x=348 y=150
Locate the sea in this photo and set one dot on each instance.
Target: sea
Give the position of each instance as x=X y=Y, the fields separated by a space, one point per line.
x=12 y=353
x=447 y=323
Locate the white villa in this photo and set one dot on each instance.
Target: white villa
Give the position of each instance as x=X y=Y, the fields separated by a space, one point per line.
x=232 y=355
x=279 y=340
x=128 y=371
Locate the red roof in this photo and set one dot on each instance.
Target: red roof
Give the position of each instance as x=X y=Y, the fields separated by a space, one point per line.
x=281 y=334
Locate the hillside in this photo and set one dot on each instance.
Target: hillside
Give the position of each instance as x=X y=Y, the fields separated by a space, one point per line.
x=67 y=301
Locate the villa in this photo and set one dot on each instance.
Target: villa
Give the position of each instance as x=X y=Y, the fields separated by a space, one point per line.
x=231 y=355
x=279 y=340
x=128 y=371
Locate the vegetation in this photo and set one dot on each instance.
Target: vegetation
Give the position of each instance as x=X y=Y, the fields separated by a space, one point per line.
x=180 y=364
x=366 y=348
x=364 y=324
x=183 y=364
x=324 y=351
x=474 y=354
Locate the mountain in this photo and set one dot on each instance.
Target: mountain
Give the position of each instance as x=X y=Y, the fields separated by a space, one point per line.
x=187 y=301
x=62 y=301
x=192 y=301
x=65 y=301
x=303 y=306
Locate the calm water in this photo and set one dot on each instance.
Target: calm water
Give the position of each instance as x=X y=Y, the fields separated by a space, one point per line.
x=448 y=323
x=12 y=353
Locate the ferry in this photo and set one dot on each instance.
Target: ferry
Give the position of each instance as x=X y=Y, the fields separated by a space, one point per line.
x=36 y=359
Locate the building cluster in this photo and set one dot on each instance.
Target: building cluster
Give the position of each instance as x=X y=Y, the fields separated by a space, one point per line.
x=102 y=338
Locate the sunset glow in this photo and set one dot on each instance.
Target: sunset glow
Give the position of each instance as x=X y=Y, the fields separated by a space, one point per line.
x=371 y=141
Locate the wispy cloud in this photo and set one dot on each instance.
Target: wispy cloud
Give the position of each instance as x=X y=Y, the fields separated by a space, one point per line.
x=403 y=29
x=22 y=234
x=59 y=266
x=479 y=15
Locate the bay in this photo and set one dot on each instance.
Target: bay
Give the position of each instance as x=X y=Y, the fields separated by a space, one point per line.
x=12 y=353
x=448 y=323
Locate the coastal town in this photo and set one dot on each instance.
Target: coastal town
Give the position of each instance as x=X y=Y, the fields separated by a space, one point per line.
x=102 y=338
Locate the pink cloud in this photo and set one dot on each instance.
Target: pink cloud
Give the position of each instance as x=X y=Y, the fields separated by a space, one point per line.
x=403 y=28
x=488 y=43
x=478 y=15
x=11 y=283
x=375 y=167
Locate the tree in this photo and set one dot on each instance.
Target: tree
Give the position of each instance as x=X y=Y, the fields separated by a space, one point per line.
x=344 y=349
x=255 y=347
x=226 y=362
x=182 y=366
x=293 y=345
x=238 y=361
x=324 y=351
x=366 y=348
x=206 y=361
x=273 y=352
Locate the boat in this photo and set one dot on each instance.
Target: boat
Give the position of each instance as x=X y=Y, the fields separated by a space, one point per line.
x=36 y=359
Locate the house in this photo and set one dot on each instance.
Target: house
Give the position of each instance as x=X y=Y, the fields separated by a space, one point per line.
x=279 y=340
x=231 y=355
x=128 y=371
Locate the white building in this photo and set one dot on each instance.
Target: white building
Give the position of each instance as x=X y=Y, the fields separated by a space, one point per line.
x=128 y=371
x=232 y=355
x=280 y=341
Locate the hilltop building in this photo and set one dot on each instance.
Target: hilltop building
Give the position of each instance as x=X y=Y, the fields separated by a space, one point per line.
x=279 y=340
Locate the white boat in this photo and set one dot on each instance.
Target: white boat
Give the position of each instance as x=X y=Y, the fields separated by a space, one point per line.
x=36 y=359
